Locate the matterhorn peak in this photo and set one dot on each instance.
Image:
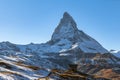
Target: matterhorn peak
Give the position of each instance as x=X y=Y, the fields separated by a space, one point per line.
x=67 y=18
x=67 y=33
x=66 y=14
x=66 y=28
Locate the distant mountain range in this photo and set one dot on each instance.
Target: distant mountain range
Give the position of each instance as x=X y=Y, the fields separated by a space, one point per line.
x=68 y=45
x=115 y=53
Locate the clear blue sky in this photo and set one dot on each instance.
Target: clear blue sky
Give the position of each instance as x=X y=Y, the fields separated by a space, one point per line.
x=25 y=21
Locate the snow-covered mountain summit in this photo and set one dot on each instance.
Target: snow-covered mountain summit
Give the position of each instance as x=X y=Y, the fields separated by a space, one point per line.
x=66 y=29
x=68 y=33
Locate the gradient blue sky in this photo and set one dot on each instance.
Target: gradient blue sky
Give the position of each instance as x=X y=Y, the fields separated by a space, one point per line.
x=25 y=21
